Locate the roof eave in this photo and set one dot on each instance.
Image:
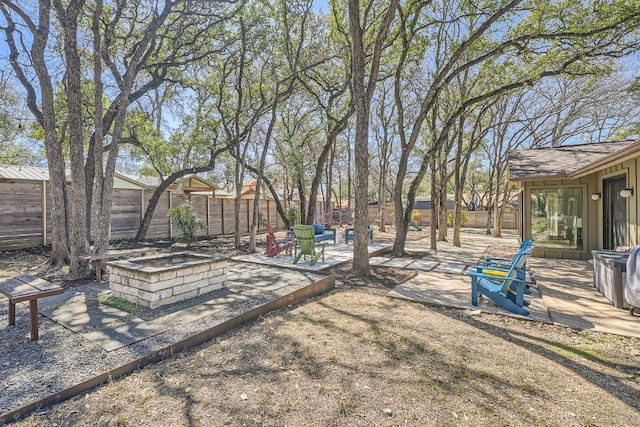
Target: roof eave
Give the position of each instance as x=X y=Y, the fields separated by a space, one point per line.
x=562 y=175
x=619 y=156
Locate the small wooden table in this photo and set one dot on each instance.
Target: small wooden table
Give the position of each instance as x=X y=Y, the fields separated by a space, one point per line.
x=27 y=288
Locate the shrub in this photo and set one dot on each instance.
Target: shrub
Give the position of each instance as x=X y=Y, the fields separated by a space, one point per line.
x=185 y=220
x=292 y=213
x=463 y=218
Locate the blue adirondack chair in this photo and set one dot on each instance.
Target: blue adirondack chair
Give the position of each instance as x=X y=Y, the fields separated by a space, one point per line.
x=505 y=263
x=502 y=286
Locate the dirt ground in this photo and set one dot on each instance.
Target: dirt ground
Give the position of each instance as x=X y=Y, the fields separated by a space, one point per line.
x=356 y=357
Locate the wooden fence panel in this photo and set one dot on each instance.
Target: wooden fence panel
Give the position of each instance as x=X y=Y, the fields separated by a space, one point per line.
x=21 y=211
x=125 y=213
x=199 y=203
x=475 y=219
x=228 y=213
x=244 y=215
x=159 y=225
x=20 y=214
x=215 y=216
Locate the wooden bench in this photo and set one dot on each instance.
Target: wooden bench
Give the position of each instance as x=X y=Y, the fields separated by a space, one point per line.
x=97 y=258
x=27 y=288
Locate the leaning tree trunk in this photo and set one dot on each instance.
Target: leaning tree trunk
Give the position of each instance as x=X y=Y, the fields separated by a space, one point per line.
x=46 y=117
x=263 y=159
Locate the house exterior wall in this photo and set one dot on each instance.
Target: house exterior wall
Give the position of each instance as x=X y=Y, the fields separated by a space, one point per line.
x=593 y=228
x=589 y=218
x=630 y=169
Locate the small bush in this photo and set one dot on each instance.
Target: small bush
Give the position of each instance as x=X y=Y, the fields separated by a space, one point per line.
x=187 y=222
x=463 y=218
x=292 y=213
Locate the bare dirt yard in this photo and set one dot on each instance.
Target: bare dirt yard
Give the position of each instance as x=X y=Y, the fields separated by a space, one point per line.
x=355 y=357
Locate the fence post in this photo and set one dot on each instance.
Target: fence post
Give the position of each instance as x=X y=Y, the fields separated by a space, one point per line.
x=43 y=205
x=222 y=214
x=208 y=222
x=169 y=219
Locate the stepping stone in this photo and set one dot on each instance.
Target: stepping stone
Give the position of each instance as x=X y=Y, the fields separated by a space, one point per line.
x=205 y=309
x=378 y=260
x=424 y=264
x=114 y=337
x=451 y=268
x=399 y=263
x=78 y=315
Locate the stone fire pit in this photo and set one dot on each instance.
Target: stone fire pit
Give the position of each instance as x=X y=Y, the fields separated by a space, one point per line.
x=158 y=280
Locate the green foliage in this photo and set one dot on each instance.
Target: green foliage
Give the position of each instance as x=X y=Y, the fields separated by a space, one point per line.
x=463 y=218
x=121 y=304
x=292 y=213
x=186 y=221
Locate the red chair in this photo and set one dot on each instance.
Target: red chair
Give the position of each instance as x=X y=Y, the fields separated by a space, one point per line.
x=274 y=246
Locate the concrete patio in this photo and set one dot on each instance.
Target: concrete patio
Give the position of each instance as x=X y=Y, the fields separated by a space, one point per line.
x=563 y=292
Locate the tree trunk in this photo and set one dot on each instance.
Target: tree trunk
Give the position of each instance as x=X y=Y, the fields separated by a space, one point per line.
x=442 y=212
x=102 y=232
x=57 y=188
x=329 y=188
x=263 y=159
x=78 y=238
x=239 y=175
x=360 y=266
x=303 y=202
x=433 y=229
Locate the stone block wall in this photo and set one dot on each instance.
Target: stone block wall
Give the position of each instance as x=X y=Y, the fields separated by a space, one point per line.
x=166 y=285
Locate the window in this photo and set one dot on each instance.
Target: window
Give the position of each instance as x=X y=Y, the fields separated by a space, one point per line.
x=556 y=217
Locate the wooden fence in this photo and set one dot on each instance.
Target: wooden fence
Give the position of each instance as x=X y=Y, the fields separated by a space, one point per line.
x=25 y=214
x=475 y=219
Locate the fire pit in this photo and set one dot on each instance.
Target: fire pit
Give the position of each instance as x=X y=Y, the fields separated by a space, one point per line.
x=158 y=280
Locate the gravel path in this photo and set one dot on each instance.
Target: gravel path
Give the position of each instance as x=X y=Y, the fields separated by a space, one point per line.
x=32 y=370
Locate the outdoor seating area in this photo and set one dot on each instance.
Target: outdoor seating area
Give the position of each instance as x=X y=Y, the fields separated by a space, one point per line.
x=441 y=279
x=320 y=233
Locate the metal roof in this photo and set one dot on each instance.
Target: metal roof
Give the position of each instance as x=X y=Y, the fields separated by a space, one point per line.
x=26 y=173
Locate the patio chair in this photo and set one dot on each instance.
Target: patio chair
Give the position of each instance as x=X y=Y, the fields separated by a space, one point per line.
x=305 y=244
x=502 y=286
x=274 y=246
x=505 y=263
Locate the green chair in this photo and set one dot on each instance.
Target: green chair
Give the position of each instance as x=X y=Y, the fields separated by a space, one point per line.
x=305 y=244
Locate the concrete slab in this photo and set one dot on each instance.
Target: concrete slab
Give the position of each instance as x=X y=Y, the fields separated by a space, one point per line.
x=378 y=260
x=122 y=334
x=573 y=301
x=454 y=291
x=425 y=264
x=79 y=312
x=222 y=301
x=333 y=254
x=450 y=267
x=399 y=263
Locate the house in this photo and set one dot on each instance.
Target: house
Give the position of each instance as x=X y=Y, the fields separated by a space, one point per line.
x=424 y=202
x=578 y=198
x=185 y=185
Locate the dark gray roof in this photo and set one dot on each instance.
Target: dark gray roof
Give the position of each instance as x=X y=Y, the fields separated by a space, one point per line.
x=561 y=162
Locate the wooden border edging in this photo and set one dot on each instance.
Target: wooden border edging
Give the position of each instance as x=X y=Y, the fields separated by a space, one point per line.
x=311 y=290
